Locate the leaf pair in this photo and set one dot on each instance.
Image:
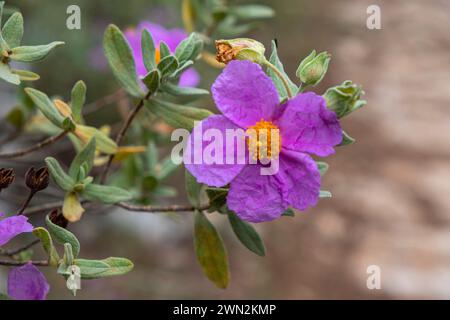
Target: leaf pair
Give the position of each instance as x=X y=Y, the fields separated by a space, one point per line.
x=77 y=183
x=11 y=35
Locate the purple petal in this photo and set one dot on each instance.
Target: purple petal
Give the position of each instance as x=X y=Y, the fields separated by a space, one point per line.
x=27 y=283
x=245 y=94
x=255 y=197
x=307 y=125
x=212 y=173
x=299 y=179
x=13 y=226
x=189 y=78
x=172 y=37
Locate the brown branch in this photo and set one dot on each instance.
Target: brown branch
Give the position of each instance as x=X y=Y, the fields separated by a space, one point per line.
x=10 y=253
x=42 y=263
x=122 y=133
x=40 y=145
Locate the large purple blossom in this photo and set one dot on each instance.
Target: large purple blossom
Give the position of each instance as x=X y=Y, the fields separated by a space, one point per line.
x=13 y=226
x=27 y=283
x=247 y=97
x=172 y=37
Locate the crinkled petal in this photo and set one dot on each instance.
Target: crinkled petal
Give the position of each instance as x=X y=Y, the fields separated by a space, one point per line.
x=299 y=179
x=255 y=197
x=13 y=226
x=307 y=125
x=27 y=283
x=245 y=94
x=206 y=169
x=189 y=78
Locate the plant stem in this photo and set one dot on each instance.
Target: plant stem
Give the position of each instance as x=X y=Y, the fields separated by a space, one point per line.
x=122 y=133
x=26 y=203
x=281 y=76
x=40 y=145
x=42 y=263
x=10 y=253
x=154 y=209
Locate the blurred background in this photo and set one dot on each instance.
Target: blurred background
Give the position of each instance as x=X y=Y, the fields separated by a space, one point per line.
x=390 y=204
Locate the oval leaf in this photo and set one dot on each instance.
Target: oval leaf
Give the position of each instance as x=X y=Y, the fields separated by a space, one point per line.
x=94 y=269
x=13 y=30
x=61 y=178
x=211 y=253
x=47 y=244
x=33 y=53
x=247 y=235
x=46 y=106
x=105 y=194
x=63 y=236
x=120 y=58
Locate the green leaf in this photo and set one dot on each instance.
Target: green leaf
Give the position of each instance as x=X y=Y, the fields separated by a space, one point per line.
x=217 y=198
x=46 y=106
x=323 y=167
x=189 y=49
x=47 y=244
x=77 y=101
x=85 y=159
x=105 y=194
x=275 y=60
x=148 y=50
x=63 y=236
x=68 y=254
x=177 y=116
x=13 y=30
x=184 y=91
x=104 y=143
x=193 y=189
x=247 y=235
x=167 y=66
x=152 y=80
x=94 y=269
x=4 y=297
x=210 y=251
x=289 y=213
x=346 y=140
x=62 y=179
x=7 y=74
x=120 y=58
x=252 y=12
x=26 y=75
x=33 y=53
x=164 y=50
x=325 y=194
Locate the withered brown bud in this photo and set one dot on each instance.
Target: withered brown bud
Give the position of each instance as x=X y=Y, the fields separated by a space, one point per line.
x=58 y=219
x=37 y=180
x=7 y=177
x=240 y=49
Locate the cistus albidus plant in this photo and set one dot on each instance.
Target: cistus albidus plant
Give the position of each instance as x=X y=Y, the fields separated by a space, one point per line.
x=282 y=121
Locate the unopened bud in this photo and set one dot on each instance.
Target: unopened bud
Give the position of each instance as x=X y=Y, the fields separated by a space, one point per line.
x=7 y=177
x=313 y=68
x=240 y=49
x=37 y=180
x=58 y=219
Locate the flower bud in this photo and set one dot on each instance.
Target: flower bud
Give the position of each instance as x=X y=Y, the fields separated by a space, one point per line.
x=7 y=177
x=37 y=180
x=240 y=49
x=345 y=98
x=58 y=219
x=313 y=68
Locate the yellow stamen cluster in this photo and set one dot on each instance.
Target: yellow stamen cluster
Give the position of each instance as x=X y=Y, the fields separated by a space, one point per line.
x=263 y=140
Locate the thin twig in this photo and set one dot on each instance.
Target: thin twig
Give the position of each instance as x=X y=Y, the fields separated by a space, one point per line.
x=122 y=133
x=10 y=253
x=40 y=145
x=41 y=263
x=155 y=209
x=26 y=203
x=105 y=101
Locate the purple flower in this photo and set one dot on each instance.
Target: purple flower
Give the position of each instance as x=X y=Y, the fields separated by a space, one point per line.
x=172 y=37
x=13 y=226
x=27 y=283
x=248 y=99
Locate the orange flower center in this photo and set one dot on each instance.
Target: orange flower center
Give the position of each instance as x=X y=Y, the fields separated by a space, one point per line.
x=263 y=140
x=157 y=55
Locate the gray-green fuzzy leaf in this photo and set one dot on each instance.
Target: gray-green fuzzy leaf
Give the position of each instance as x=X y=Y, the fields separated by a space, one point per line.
x=63 y=236
x=247 y=235
x=94 y=269
x=33 y=53
x=275 y=60
x=85 y=159
x=148 y=50
x=78 y=98
x=12 y=31
x=61 y=178
x=7 y=74
x=120 y=58
x=46 y=106
x=105 y=194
